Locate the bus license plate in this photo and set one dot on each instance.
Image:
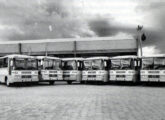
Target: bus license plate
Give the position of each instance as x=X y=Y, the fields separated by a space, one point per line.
x=26 y=80
x=91 y=78
x=153 y=79
x=120 y=78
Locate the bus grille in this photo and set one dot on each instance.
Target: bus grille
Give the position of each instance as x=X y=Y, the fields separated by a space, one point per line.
x=52 y=75
x=91 y=76
x=92 y=72
x=120 y=71
x=66 y=75
x=153 y=76
x=26 y=76
x=52 y=71
x=120 y=75
x=26 y=72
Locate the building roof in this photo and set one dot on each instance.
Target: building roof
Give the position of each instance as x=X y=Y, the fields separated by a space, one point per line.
x=17 y=56
x=65 y=39
x=75 y=58
x=98 y=58
x=153 y=56
x=125 y=57
x=48 y=57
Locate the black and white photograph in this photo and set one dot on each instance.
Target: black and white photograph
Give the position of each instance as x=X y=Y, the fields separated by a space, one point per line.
x=82 y=59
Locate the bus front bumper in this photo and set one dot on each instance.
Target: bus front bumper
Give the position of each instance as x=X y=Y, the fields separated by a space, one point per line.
x=18 y=79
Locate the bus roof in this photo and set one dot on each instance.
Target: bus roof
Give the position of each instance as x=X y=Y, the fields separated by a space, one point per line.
x=125 y=57
x=69 y=59
x=17 y=56
x=48 y=57
x=153 y=56
x=97 y=58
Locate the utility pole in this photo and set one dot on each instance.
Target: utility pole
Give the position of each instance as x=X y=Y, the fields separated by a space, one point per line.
x=75 y=48
x=139 y=40
x=46 y=49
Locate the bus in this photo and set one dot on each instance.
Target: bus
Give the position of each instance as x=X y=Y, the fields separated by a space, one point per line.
x=95 y=69
x=50 y=69
x=72 y=69
x=18 y=68
x=124 y=68
x=152 y=68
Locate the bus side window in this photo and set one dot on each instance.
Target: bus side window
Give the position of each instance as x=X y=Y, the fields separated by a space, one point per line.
x=5 y=62
x=1 y=63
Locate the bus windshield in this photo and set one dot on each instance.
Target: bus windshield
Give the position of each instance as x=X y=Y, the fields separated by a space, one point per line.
x=147 y=63
x=87 y=65
x=19 y=64
x=70 y=65
x=52 y=64
x=159 y=63
x=97 y=65
x=31 y=64
x=126 y=64
x=115 y=64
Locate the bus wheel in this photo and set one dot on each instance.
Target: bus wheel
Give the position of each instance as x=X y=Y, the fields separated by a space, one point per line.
x=82 y=82
x=51 y=82
x=69 y=82
x=8 y=84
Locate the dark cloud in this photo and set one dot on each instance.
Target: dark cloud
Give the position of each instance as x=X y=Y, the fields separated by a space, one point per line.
x=106 y=27
x=153 y=11
x=46 y=19
x=24 y=19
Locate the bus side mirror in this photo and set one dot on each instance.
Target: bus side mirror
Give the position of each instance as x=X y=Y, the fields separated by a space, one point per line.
x=11 y=63
x=105 y=64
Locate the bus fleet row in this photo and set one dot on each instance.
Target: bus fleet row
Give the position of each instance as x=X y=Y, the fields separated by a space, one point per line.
x=22 y=68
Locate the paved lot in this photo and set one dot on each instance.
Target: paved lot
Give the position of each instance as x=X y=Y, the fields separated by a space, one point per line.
x=82 y=102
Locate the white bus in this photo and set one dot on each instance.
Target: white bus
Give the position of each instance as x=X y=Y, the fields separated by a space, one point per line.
x=72 y=69
x=95 y=69
x=18 y=68
x=152 y=68
x=50 y=69
x=124 y=68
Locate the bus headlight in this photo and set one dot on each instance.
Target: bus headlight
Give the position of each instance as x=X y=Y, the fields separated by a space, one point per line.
x=34 y=76
x=17 y=77
x=84 y=77
x=129 y=77
x=84 y=72
x=144 y=77
x=100 y=77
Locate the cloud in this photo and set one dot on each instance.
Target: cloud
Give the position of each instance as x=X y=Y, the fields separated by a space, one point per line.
x=153 y=20
x=106 y=27
x=40 y=19
x=46 y=19
x=150 y=50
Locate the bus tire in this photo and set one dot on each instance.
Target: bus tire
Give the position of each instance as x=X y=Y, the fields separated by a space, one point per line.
x=51 y=82
x=82 y=82
x=69 y=82
x=8 y=84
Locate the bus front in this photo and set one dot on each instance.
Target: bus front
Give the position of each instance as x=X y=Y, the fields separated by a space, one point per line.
x=72 y=70
x=123 y=70
x=153 y=69
x=51 y=70
x=23 y=70
x=95 y=70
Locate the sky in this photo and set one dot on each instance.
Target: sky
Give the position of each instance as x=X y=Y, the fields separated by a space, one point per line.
x=50 y=19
